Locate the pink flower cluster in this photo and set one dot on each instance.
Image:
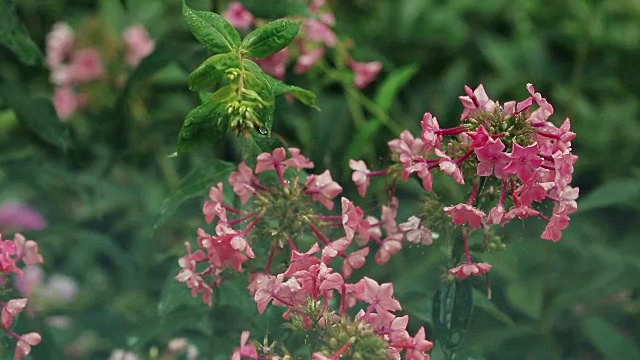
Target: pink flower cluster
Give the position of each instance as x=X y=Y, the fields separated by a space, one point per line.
x=309 y=280
x=512 y=145
x=20 y=217
x=316 y=36
x=285 y=213
x=72 y=67
x=11 y=252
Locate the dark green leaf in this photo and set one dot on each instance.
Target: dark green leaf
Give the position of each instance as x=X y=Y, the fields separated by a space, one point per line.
x=392 y=84
x=305 y=96
x=14 y=35
x=526 y=296
x=609 y=341
x=361 y=142
x=38 y=115
x=211 y=29
x=613 y=193
x=452 y=310
x=270 y=38
x=211 y=71
x=197 y=183
x=482 y=302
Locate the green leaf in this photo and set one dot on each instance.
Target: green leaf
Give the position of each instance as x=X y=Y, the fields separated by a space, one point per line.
x=482 y=302
x=527 y=296
x=211 y=71
x=196 y=184
x=392 y=84
x=305 y=96
x=206 y=122
x=452 y=311
x=609 y=341
x=361 y=142
x=211 y=29
x=256 y=80
x=613 y=193
x=270 y=38
x=15 y=36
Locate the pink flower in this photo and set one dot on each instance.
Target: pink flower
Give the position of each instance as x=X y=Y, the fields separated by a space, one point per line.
x=475 y=100
x=215 y=207
x=365 y=72
x=302 y=261
x=138 y=44
x=271 y=161
x=335 y=248
x=406 y=146
x=245 y=351
x=360 y=175
x=430 y=127
x=492 y=159
x=415 y=232
x=275 y=64
x=20 y=217
x=379 y=296
x=390 y=246
x=465 y=270
x=243 y=182
x=322 y=188
x=67 y=102
x=317 y=31
x=418 y=346
x=520 y=212
x=308 y=58
x=524 y=161
x=465 y=214
x=554 y=228
x=353 y=220
x=480 y=137
x=355 y=260
x=23 y=347
x=27 y=250
x=297 y=160
x=31 y=280
x=86 y=66
x=449 y=166
x=59 y=45
x=238 y=16
x=496 y=214
x=10 y=310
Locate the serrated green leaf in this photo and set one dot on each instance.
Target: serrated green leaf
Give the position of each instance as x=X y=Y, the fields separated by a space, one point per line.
x=392 y=84
x=305 y=96
x=270 y=38
x=452 y=311
x=197 y=183
x=212 y=70
x=211 y=29
x=15 y=36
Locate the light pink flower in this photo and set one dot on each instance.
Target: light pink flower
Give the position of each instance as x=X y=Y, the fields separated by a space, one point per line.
x=11 y=309
x=379 y=296
x=308 y=58
x=465 y=214
x=86 y=66
x=449 y=166
x=524 y=161
x=245 y=351
x=360 y=175
x=492 y=159
x=429 y=128
x=317 y=31
x=31 y=280
x=276 y=64
x=243 y=182
x=353 y=220
x=355 y=260
x=322 y=188
x=238 y=16
x=391 y=245
x=67 y=102
x=23 y=347
x=27 y=250
x=407 y=146
x=20 y=217
x=553 y=230
x=475 y=100
x=465 y=270
x=59 y=45
x=365 y=72
x=138 y=44
x=415 y=232
x=215 y=207
x=297 y=160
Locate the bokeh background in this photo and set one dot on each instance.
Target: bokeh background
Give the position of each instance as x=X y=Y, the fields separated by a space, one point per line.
x=119 y=209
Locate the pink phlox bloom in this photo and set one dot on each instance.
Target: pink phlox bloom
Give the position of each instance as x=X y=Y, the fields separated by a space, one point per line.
x=26 y=341
x=364 y=72
x=189 y=275
x=480 y=137
x=537 y=97
x=360 y=175
x=322 y=188
x=390 y=245
x=566 y=200
x=496 y=214
x=265 y=290
x=317 y=31
x=86 y=66
x=7 y=263
x=415 y=232
x=27 y=250
x=374 y=229
x=470 y=269
x=308 y=58
x=429 y=137
x=59 y=44
x=67 y=102
x=475 y=100
x=563 y=164
x=276 y=64
x=11 y=309
x=389 y=214
x=528 y=194
x=327 y=18
x=256 y=281
x=238 y=16
x=353 y=220
x=138 y=44
x=553 y=230
x=215 y=207
x=466 y=214
x=20 y=217
x=334 y=249
x=566 y=135
x=524 y=161
x=302 y=261
x=355 y=260
x=509 y=108
x=297 y=160
x=352 y=293
x=448 y=166
x=271 y=161
x=379 y=296
x=520 y=212
x=423 y=171
x=406 y=146
x=245 y=351
x=418 y=347
x=492 y=159
x=316 y=5
x=243 y=182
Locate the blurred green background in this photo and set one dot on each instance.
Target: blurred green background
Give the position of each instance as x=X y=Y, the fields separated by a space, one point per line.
x=117 y=223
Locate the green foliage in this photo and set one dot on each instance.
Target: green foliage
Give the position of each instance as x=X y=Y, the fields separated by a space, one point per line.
x=211 y=29
x=269 y=39
x=15 y=36
x=452 y=310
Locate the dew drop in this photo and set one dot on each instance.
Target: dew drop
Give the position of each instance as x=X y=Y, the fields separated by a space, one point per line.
x=263 y=130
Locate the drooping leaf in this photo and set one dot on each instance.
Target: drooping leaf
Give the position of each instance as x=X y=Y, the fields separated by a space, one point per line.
x=392 y=84
x=211 y=71
x=613 y=193
x=305 y=96
x=452 y=310
x=15 y=36
x=197 y=183
x=211 y=29
x=270 y=38
x=609 y=341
